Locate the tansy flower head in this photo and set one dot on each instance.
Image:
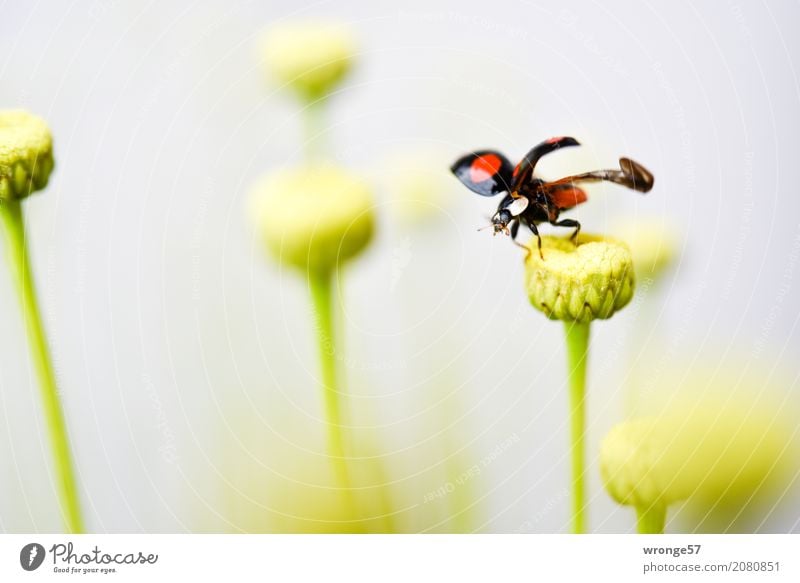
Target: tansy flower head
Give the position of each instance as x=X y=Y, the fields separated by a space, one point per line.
x=314 y=216
x=632 y=464
x=310 y=57
x=579 y=283
x=26 y=154
x=418 y=191
x=712 y=449
x=653 y=245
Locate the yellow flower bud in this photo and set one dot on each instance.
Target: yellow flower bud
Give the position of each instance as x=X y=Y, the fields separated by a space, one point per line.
x=712 y=449
x=652 y=243
x=579 y=283
x=418 y=190
x=313 y=217
x=631 y=460
x=26 y=154
x=310 y=57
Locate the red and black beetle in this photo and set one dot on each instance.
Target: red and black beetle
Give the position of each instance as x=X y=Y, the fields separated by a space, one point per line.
x=530 y=200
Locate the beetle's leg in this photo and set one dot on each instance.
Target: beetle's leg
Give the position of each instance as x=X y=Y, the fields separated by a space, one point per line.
x=535 y=230
x=569 y=223
x=514 y=232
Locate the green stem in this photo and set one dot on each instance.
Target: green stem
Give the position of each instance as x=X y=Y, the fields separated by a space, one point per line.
x=577 y=335
x=651 y=519
x=313 y=121
x=321 y=285
x=17 y=254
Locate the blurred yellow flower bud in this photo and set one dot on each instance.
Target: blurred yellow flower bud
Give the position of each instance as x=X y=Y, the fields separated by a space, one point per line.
x=652 y=243
x=26 y=154
x=579 y=283
x=629 y=463
x=310 y=57
x=729 y=446
x=418 y=189
x=711 y=449
x=313 y=217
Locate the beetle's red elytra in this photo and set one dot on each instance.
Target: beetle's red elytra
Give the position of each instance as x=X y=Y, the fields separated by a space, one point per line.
x=484 y=167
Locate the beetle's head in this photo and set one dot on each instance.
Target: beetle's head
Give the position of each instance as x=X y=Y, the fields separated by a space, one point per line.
x=500 y=221
x=509 y=209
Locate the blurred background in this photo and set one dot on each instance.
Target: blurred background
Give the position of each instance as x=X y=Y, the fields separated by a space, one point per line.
x=185 y=356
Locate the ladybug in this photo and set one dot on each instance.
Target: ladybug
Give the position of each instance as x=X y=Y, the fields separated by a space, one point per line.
x=530 y=200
